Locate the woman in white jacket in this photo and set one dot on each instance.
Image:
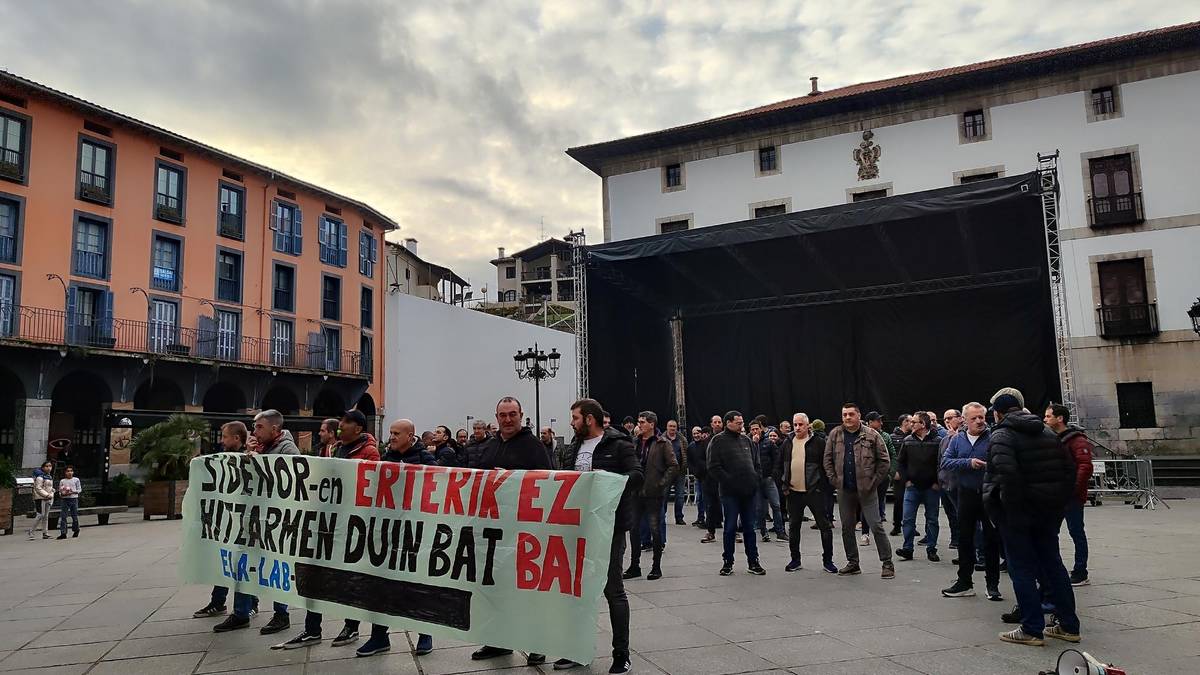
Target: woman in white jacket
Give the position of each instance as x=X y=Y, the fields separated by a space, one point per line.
x=43 y=498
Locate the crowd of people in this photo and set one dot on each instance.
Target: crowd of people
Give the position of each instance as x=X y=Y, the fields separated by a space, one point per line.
x=1006 y=478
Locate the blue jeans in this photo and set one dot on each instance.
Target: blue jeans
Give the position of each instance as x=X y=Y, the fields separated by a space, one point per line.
x=70 y=507
x=1033 y=559
x=930 y=499
x=740 y=509
x=680 y=496
x=644 y=527
x=1074 y=518
x=769 y=497
x=244 y=602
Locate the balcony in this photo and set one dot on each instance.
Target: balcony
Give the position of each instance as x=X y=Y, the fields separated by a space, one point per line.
x=1116 y=210
x=536 y=275
x=230 y=225
x=89 y=264
x=12 y=164
x=94 y=188
x=38 y=325
x=8 y=248
x=167 y=208
x=1121 y=321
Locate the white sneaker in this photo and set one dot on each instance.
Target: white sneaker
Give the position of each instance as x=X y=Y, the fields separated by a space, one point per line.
x=865 y=540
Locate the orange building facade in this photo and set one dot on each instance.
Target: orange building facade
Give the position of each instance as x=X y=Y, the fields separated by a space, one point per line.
x=144 y=271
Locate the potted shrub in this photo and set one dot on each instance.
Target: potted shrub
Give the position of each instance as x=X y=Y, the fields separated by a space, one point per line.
x=164 y=451
x=8 y=484
x=128 y=491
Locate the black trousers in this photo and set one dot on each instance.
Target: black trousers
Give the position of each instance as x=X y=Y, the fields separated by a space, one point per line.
x=970 y=511
x=712 y=501
x=897 y=503
x=814 y=501
x=614 y=592
x=652 y=507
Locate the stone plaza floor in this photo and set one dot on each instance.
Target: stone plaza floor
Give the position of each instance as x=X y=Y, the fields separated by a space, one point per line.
x=110 y=602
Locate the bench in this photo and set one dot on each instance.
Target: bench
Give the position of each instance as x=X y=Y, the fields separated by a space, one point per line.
x=102 y=513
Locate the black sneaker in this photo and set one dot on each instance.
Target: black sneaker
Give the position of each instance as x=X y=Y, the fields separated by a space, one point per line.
x=647 y=547
x=278 y=622
x=1079 y=579
x=62 y=536
x=489 y=652
x=993 y=594
x=1004 y=566
x=933 y=556
x=828 y=566
x=726 y=569
x=849 y=569
x=766 y=537
x=373 y=646
x=535 y=659
x=960 y=589
x=922 y=541
x=1012 y=617
x=566 y=664
x=904 y=553
x=345 y=637
x=209 y=610
x=621 y=663
x=680 y=521
x=655 y=574
x=304 y=639
x=781 y=536
x=632 y=573
x=793 y=566
x=756 y=569
x=231 y=622
x=895 y=532
x=979 y=567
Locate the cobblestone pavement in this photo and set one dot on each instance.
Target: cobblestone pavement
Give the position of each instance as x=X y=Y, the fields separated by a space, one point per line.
x=110 y=602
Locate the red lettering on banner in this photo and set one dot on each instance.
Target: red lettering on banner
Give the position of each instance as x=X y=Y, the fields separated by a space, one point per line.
x=558 y=514
x=557 y=567
x=526 y=511
x=389 y=473
x=360 y=488
x=475 y=485
x=528 y=551
x=580 y=547
x=487 y=502
x=410 y=484
x=427 y=489
x=458 y=480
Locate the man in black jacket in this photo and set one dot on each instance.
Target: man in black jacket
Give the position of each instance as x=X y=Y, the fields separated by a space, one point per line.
x=918 y=463
x=512 y=447
x=768 y=461
x=660 y=468
x=734 y=464
x=804 y=486
x=902 y=430
x=596 y=448
x=1029 y=479
x=697 y=465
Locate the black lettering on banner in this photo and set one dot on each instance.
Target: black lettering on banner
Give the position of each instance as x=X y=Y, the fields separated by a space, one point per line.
x=394 y=542
x=464 y=557
x=406 y=599
x=240 y=511
x=306 y=549
x=274 y=515
x=326 y=524
x=301 y=469
x=379 y=555
x=255 y=527
x=356 y=539
x=265 y=480
x=209 y=485
x=206 y=518
x=412 y=545
x=492 y=535
x=289 y=531
x=233 y=474
x=283 y=478
x=439 y=562
x=244 y=466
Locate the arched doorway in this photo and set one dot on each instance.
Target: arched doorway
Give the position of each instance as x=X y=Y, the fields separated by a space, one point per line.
x=11 y=390
x=366 y=405
x=224 y=397
x=159 y=393
x=329 y=403
x=77 y=421
x=282 y=399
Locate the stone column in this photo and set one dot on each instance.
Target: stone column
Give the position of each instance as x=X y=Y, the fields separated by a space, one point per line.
x=554 y=277
x=33 y=431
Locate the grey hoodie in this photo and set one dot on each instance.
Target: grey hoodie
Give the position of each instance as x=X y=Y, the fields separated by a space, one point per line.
x=284 y=446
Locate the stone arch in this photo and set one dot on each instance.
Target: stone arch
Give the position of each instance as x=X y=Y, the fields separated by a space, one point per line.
x=224 y=397
x=158 y=393
x=77 y=406
x=282 y=399
x=366 y=405
x=329 y=403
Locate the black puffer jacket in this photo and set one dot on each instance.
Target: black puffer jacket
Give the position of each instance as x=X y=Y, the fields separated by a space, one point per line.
x=1029 y=474
x=918 y=461
x=614 y=454
x=733 y=462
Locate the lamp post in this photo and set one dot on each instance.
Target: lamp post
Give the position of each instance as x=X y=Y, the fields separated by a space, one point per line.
x=1194 y=313
x=535 y=364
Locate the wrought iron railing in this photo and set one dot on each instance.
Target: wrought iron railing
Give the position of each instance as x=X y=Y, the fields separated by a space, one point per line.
x=230 y=225
x=8 y=248
x=94 y=188
x=1128 y=320
x=167 y=207
x=1116 y=210
x=79 y=329
x=89 y=263
x=12 y=163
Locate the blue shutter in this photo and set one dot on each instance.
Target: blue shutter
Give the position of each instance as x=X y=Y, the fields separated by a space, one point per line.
x=342 y=244
x=316 y=350
x=374 y=249
x=323 y=240
x=70 y=321
x=106 y=319
x=364 y=252
x=280 y=238
x=297 y=231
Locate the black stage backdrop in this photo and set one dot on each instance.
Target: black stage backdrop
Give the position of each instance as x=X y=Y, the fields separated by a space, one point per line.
x=920 y=301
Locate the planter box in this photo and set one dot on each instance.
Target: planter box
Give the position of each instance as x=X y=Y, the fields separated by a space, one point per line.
x=164 y=498
x=6 y=511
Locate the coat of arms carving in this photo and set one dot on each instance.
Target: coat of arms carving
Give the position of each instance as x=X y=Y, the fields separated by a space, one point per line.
x=866 y=155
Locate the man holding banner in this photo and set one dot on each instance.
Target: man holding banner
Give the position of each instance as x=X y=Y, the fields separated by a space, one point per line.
x=598 y=449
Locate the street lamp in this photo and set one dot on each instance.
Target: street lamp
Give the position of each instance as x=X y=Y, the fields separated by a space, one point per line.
x=535 y=364
x=1194 y=312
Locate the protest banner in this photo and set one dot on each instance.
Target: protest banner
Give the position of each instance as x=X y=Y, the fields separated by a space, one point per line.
x=516 y=559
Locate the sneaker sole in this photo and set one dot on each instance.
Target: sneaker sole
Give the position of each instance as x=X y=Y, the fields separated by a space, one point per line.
x=849 y=574
x=343 y=643
x=1031 y=642
x=231 y=628
x=298 y=645
x=792 y=569
x=959 y=594
x=423 y=652
x=1065 y=637
x=373 y=652
x=1077 y=584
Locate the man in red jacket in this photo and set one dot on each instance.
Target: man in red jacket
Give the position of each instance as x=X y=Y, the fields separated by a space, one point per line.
x=1080 y=448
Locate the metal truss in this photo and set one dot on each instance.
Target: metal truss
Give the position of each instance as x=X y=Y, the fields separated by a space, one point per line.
x=1048 y=184
x=866 y=293
x=579 y=264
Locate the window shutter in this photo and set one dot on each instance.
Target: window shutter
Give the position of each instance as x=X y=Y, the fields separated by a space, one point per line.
x=206 y=340
x=274 y=217
x=316 y=350
x=72 y=309
x=106 y=319
x=323 y=240
x=364 y=252
x=297 y=231
x=342 y=244
x=374 y=249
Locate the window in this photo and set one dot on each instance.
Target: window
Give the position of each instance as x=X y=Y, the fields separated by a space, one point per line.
x=368 y=308
x=368 y=254
x=168 y=193
x=974 y=125
x=508 y=296
x=229 y=333
x=164 y=274
x=766 y=160
x=331 y=235
x=230 y=214
x=10 y=211
x=95 y=172
x=89 y=317
x=1104 y=101
x=281 y=342
x=1125 y=309
x=286 y=223
x=331 y=298
x=164 y=325
x=1135 y=405
x=868 y=195
x=673 y=177
x=332 y=339
x=229 y=276
x=975 y=178
x=8 y=303
x=91 y=248
x=365 y=355
x=284 y=295
x=774 y=210
x=12 y=148
x=510 y=272
x=1113 y=200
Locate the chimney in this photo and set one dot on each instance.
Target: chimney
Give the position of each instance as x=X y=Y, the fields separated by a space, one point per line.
x=499 y=251
x=411 y=245
x=814 y=91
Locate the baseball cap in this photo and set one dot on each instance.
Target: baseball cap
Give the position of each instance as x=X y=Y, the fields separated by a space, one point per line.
x=355 y=416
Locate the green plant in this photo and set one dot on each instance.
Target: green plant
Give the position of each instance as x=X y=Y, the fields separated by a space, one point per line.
x=8 y=476
x=165 y=449
x=125 y=486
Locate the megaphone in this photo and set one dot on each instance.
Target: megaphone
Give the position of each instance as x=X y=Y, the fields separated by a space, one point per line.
x=1074 y=662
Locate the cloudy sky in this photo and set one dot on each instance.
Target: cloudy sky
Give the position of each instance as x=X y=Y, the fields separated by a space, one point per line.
x=452 y=116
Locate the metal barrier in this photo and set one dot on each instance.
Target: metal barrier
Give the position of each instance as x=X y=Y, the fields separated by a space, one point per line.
x=1129 y=479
